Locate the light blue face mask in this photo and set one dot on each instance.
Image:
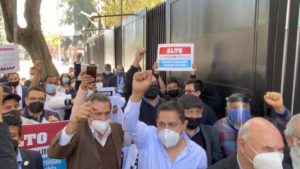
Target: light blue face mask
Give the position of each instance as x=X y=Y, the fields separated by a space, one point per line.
x=65 y=80
x=237 y=117
x=51 y=88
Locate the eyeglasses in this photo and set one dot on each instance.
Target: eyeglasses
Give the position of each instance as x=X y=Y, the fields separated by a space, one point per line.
x=40 y=99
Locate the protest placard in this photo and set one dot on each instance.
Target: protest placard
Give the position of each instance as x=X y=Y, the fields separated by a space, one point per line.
x=38 y=137
x=108 y=91
x=9 y=59
x=175 y=57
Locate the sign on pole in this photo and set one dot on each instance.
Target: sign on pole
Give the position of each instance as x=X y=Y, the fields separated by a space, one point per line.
x=38 y=137
x=175 y=57
x=9 y=59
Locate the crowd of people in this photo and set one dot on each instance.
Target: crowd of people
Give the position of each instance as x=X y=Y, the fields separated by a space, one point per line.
x=148 y=124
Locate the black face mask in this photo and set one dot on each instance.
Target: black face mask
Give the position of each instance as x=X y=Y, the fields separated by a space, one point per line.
x=193 y=122
x=15 y=144
x=14 y=84
x=36 y=107
x=173 y=93
x=152 y=92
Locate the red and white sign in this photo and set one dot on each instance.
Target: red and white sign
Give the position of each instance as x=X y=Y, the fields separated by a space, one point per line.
x=38 y=137
x=9 y=59
x=175 y=57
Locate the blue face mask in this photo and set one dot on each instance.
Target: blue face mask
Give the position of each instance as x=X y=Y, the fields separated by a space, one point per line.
x=237 y=117
x=65 y=80
x=51 y=88
x=120 y=74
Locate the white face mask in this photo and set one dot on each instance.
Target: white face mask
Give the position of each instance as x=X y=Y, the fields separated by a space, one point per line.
x=100 y=126
x=169 y=138
x=99 y=85
x=272 y=160
x=295 y=154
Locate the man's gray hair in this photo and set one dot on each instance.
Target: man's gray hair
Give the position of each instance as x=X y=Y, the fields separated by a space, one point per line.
x=291 y=126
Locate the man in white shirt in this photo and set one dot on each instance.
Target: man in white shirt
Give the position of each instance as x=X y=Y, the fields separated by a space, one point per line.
x=167 y=145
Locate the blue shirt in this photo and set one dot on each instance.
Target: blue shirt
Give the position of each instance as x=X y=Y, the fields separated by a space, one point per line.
x=152 y=154
x=19 y=160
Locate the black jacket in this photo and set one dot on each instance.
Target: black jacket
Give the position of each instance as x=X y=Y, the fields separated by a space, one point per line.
x=209 y=115
x=31 y=159
x=213 y=147
x=7 y=153
x=231 y=163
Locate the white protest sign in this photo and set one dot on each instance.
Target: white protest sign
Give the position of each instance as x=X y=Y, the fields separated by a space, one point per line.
x=9 y=59
x=108 y=91
x=175 y=57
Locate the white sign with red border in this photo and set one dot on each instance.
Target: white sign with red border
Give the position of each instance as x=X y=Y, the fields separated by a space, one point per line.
x=9 y=59
x=175 y=57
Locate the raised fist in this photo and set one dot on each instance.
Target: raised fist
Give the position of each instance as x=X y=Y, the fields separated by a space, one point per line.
x=275 y=100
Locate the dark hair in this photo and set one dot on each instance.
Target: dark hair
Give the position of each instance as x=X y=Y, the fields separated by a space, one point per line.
x=99 y=97
x=12 y=74
x=173 y=80
x=238 y=97
x=13 y=118
x=61 y=77
x=107 y=66
x=47 y=77
x=36 y=88
x=172 y=106
x=198 y=84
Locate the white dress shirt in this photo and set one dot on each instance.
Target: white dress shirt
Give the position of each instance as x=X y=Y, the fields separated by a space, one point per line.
x=65 y=139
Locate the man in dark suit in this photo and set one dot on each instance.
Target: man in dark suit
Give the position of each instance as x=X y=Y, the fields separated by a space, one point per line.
x=204 y=135
x=14 y=81
x=196 y=87
x=118 y=80
x=7 y=154
x=259 y=146
x=26 y=159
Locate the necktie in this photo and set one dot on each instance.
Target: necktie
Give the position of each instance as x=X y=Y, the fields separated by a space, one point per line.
x=15 y=90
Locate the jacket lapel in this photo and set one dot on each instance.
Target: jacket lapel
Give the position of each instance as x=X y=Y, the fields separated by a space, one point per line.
x=207 y=144
x=25 y=160
x=115 y=140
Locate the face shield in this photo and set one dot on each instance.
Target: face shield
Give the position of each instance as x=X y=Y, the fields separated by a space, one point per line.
x=238 y=112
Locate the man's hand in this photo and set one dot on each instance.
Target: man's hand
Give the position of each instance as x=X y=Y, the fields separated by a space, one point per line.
x=275 y=100
x=141 y=82
x=37 y=66
x=138 y=56
x=194 y=70
x=86 y=80
x=83 y=113
x=155 y=68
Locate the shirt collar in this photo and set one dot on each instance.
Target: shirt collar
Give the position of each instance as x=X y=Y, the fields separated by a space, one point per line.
x=95 y=133
x=19 y=157
x=239 y=163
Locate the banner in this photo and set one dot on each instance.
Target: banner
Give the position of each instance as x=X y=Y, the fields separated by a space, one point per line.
x=38 y=137
x=175 y=57
x=9 y=59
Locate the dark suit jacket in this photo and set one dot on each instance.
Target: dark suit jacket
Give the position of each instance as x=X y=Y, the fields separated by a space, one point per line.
x=227 y=163
x=209 y=115
x=213 y=148
x=7 y=153
x=82 y=152
x=24 y=94
x=31 y=159
x=231 y=163
x=112 y=82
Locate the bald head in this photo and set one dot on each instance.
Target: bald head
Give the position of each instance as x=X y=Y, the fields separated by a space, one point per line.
x=256 y=136
x=260 y=131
